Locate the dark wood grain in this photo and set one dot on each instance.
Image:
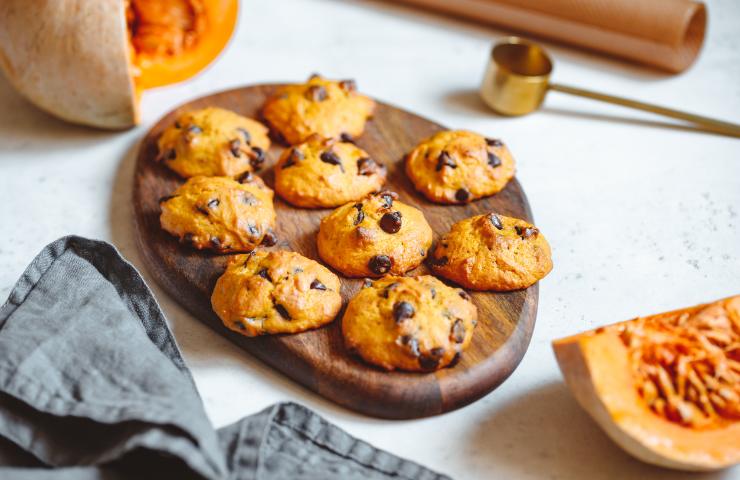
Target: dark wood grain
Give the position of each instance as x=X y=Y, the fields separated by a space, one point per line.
x=318 y=359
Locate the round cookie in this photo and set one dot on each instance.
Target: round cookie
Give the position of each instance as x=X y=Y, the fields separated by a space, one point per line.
x=492 y=252
x=326 y=173
x=374 y=236
x=409 y=323
x=213 y=142
x=220 y=214
x=332 y=109
x=275 y=292
x=459 y=167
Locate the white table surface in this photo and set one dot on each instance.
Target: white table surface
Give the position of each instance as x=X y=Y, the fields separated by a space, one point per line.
x=642 y=216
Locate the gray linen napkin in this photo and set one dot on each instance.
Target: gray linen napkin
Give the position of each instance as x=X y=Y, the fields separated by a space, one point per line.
x=93 y=386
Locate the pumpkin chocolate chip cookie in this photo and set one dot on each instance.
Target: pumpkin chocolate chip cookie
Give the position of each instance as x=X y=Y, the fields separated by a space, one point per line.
x=492 y=252
x=459 y=167
x=332 y=109
x=275 y=292
x=326 y=173
x=213 y=142
x=409 y=323
x=220 y=214
x=374 y=236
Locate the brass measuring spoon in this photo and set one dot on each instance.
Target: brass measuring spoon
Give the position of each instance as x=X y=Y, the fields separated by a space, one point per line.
x=518 y=77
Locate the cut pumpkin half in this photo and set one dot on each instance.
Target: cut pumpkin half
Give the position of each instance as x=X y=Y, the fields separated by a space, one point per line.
x=87 y=61
x=666 y=388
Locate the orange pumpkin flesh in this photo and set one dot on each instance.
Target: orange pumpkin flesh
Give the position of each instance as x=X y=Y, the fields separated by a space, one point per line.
x=667 y=387
x=172 y=40
x=87 y=61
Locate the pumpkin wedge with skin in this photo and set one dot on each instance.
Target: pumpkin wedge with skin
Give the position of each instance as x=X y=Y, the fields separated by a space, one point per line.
x=666 y=388
x=87 y=61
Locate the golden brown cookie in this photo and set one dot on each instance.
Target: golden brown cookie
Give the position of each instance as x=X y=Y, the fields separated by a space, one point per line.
x=375 y=236
x=332 y=109
x=275 y=292
x=459 y=167
x=409 y=323
x=326 y=173
x=213 y=142
x=492 y=252
x=220 y=213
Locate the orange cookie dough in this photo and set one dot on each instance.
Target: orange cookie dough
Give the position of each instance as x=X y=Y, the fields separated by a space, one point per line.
x=275 y=292
x=492 y=252
x=409 y=323
x=220 y=214
x=326 y=173
x=459 y=167
x=375 y=236
x=213 y=142
x=332 y=109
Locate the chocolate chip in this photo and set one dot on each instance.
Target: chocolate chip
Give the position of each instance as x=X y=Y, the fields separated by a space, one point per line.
x=387 y=290
x=391 y=222
x=367 y=283
x=402 y=311
x=388 y=198
x=294 y=157
x=431 y=361
x=455 y=360
x=235 y=147
x=411 y=343
x=433 y=291
x=213 y=203
x=316 y=93
x=439 y=262
x=216 y=242
x=246 y=177
x=253 y=230
x=202 y=209
x=269 y=239
x=496 y=221
x=282 y=311
x=249 y=199
x=368 y=166
x=346 y=138
x=332 y=159
x=493 y=160
x=348 y=85
x=494 y=142
x=314 y=76
x=167 y=198
x=445 y=160
x=422 y=252
x=317 y=285
x=245 y=133
x=458 y=331
x=464 y=295
x=194 y=129
x=170 y=154
x=258 y=158
x=380 y=264
x=360 y=214
x=525 y=232
x=462 y=195
x=178 y=125
x=265 y=274
x=239 y=325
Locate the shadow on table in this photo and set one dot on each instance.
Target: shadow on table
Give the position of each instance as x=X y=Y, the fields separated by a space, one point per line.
x=27 y=129
x=545 y=434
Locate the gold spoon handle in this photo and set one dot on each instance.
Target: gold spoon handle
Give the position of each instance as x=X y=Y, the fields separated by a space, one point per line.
x=717 y=126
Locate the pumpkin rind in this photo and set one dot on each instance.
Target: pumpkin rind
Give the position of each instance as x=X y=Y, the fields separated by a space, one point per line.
x=597 y=369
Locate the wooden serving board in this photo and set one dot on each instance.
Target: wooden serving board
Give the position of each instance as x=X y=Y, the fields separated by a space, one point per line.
x=318 y=359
